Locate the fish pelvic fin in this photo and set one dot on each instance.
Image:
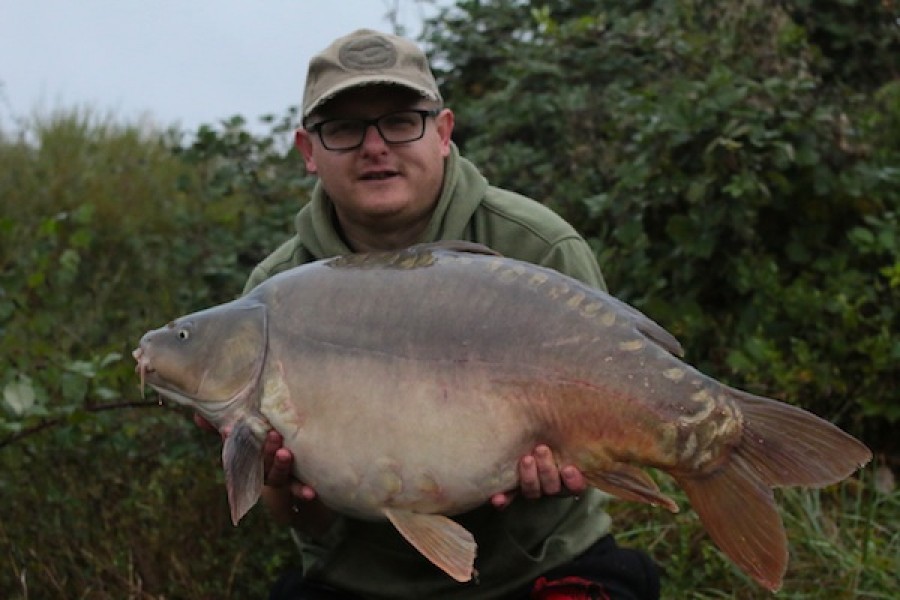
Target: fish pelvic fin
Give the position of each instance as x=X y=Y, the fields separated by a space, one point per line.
x=629 y=483
x=781 y=445
x=441 y=540
x=242 y=459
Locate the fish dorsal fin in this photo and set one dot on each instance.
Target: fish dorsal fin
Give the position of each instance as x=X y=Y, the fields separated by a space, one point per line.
x=242 y=459
x=443 y=541
x=629 y=483
x=655 y=332
x=412 y=257
x=650 y=328
x=455 y=246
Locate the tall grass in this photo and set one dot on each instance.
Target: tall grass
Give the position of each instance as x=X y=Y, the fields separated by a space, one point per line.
x=844 y=543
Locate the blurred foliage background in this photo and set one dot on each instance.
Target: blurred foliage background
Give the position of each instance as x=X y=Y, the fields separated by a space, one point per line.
x=735 y=166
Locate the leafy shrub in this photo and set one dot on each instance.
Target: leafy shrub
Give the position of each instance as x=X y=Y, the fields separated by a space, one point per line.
x=738 y=181
x=108 y=231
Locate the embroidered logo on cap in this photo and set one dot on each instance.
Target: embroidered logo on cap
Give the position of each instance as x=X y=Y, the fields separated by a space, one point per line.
x=374 y=52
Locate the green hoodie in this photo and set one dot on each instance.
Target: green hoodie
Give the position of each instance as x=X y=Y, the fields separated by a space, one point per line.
x=515 y=545
x=469 y=209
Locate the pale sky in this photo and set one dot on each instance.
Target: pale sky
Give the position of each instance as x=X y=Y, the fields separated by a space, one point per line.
x=183 y=62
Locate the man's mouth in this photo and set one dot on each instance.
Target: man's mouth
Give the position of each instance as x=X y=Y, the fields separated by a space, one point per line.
x=378 y=175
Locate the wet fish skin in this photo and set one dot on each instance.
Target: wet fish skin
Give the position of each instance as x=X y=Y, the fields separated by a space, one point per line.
x=378 y=367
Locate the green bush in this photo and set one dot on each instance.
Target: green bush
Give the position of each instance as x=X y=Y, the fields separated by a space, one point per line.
x=739 y=181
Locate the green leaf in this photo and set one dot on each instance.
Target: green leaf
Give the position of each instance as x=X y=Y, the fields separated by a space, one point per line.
x=861 y=236
x=19 y=395
x=109 y=359
x=84 y=368
x=73 y=387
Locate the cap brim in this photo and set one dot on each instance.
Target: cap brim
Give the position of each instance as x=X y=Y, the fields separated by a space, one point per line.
x=368 y=80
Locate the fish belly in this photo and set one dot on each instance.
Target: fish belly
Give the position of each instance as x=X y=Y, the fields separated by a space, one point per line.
x=373 y=432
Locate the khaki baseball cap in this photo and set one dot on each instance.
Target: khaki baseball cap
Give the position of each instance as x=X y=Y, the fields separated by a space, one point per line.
x=367 y=57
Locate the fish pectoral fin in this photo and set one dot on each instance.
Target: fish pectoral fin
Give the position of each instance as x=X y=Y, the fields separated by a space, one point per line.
x=242 y=459
x=629 y=483
x=441 y=540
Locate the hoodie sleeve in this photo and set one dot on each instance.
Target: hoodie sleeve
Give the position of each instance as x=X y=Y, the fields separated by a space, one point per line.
x=573 y=257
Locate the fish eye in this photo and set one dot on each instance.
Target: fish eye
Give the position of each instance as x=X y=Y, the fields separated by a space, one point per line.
x=183 y=334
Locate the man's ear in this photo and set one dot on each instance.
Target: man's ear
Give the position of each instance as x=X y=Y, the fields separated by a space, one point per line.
x=304 y=145
x=444 y=122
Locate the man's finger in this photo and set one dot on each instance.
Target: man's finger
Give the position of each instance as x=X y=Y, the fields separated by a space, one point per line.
x=302 y=491
x=529 y=482
x=203 y=423
x=573 y=479
x=503 y=499
x=547 y=470
x=279 y=474
x=270 y=447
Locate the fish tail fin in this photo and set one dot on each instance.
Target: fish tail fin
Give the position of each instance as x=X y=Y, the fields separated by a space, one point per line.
x=782 y=445
x=790 y=446
x=738 y=511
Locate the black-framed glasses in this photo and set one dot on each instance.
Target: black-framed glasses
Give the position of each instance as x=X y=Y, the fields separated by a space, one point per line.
x=394 y=128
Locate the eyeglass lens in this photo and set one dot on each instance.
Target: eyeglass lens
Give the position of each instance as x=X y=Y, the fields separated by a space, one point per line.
x=394 y=128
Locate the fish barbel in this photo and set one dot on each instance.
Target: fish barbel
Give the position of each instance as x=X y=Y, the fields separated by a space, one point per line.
x=408 y=385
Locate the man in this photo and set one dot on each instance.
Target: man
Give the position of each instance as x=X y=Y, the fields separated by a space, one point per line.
x=379 y=139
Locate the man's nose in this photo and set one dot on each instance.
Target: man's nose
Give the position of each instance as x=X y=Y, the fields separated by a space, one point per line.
x=373 y=138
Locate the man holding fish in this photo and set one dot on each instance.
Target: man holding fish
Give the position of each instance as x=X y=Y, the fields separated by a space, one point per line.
x=394 y=377
x=378 y=137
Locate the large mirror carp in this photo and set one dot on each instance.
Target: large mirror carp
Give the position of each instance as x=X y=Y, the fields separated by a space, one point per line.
x=408 y=385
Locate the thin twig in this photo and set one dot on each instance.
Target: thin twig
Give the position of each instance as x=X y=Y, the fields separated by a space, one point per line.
x=53 y=422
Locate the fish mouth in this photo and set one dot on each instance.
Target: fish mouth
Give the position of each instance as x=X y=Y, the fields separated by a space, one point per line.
x=211 y=410
x=147 y=372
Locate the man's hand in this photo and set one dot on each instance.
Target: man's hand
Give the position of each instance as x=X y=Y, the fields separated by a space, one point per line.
x=283 y=490
x=539 y=476
x=279 y=461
